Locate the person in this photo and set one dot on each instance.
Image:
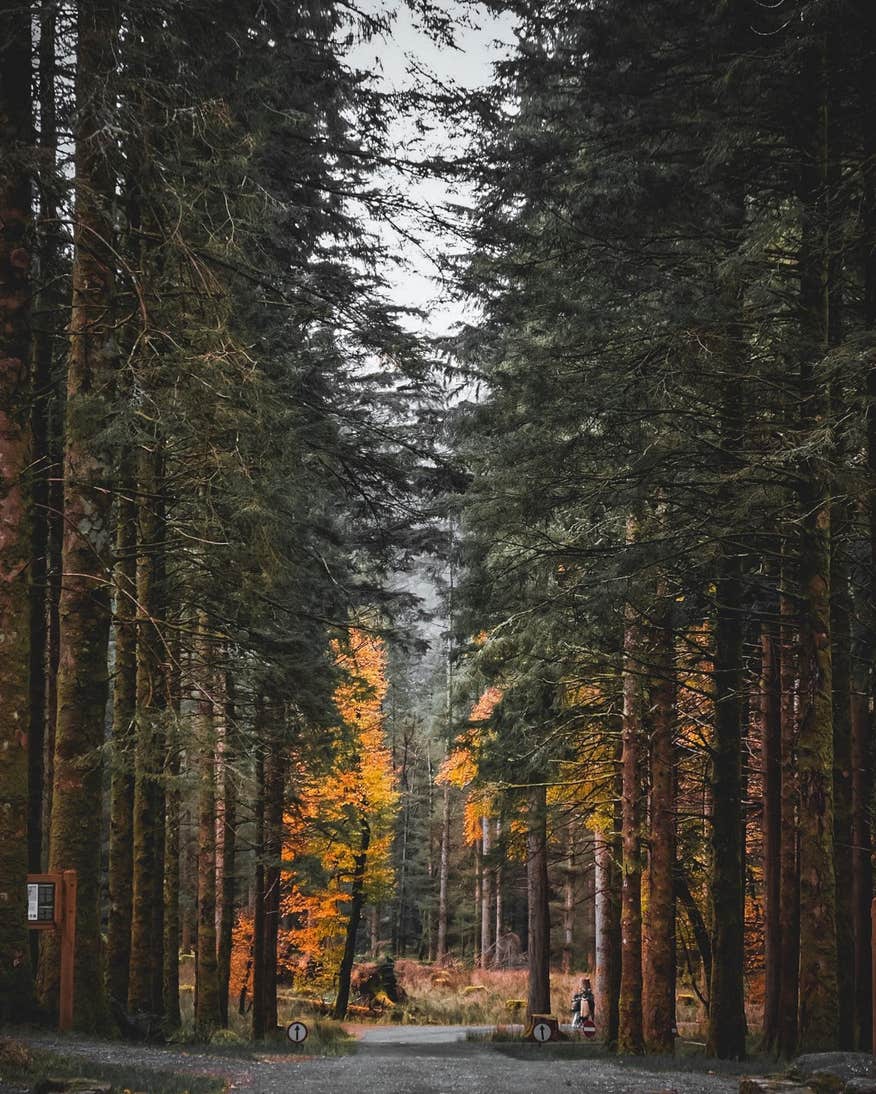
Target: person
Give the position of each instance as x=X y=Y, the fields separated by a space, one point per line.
x=583 y=1004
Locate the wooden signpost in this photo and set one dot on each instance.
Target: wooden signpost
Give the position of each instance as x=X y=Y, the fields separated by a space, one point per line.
x=51 y=906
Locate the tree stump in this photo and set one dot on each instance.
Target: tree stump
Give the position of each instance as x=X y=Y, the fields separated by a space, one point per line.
x=535 y=1028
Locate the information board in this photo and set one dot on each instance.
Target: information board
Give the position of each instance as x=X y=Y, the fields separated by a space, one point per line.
x=41 y=902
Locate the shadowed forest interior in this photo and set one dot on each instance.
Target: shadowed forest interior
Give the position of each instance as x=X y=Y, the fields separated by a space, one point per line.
x=363 y=671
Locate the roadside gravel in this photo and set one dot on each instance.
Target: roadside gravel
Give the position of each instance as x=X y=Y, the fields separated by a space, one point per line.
x=428 y=1061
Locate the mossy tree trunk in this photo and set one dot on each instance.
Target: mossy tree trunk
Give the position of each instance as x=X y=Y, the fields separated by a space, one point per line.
x=727 y=1028
x=443 y=872
x=229 y=852
x=207 y=1013
x=818 y=1006
x=171 y=924
x=660 y=958
x=539 y=979
x=789 y=878
x=15 y=337
x=147 y=928
x=862 y=746
x=275 y=783
x=630 y=1037
x=122 y=785
x=771 y=756
x=840 y=627
x=48 y=307
x=88 y=481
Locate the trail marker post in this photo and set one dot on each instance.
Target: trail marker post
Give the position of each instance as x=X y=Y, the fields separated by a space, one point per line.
x=51 y=906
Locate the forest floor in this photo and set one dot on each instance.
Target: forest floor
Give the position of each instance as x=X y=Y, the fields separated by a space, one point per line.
x=384 y=1060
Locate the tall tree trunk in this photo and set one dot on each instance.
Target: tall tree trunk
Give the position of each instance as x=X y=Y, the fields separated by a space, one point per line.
x=497 y=876
x=862 y=870
x=862 y=727
x=818 y=1006
x=486 y=894
x=171 y=924
x=569 y=895
x=259 y=1025
x=229 y=874
x=840 y=625
x=443 y=871
x=539 y=980
x=605 y=915
x=275 y=793
x=478 y=896
x=207 y=1013
x=630 y=1029
x=357 y=899
x=47 y=307
x=789 y=882
x=88 y=480
x=15 y=336
x=659 y=984
x=121 y=859
x=771 y=699
x=147 y=933
x=727 y=1029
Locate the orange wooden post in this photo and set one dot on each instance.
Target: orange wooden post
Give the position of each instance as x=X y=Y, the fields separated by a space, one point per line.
x=67 y=949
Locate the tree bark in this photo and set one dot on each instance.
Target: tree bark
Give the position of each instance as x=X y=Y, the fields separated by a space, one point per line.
x=840 y=626
x=147 y=930
x=498 y=852
x=275 y=788
x=539 y=980
x=229 y=874
x=258 y=933
x=207 y=1013
x=47 y=307
x=630 y=1029
x=171 y=924
x=771 y=753
x=121 y=859
x=569 y=896
x=357 y=899
x=727 y=1028
x=443 y=870
x=789 y=882
x=606 y=916
x=486 y=894
x=660 y=959
x=862 y=729
x=88 y=480
x=15 y=337
x=818 y=1004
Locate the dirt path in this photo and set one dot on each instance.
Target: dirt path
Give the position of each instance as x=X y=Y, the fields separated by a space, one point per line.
x=402 y=1060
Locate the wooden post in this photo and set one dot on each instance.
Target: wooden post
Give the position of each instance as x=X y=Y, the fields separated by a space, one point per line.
x=67 y=949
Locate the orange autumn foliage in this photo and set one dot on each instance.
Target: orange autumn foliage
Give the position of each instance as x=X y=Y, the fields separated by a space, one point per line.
x=324 y=834
x=460 y=766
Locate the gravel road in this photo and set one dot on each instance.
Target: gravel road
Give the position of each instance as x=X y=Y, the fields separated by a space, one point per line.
x=405 y=1060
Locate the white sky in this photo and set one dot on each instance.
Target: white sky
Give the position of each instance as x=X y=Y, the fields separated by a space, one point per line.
x=483 y=40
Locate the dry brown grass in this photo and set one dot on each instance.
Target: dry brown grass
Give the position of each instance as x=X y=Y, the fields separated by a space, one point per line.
x=455 y=995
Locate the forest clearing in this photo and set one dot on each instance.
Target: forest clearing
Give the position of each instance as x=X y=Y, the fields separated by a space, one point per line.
x=438 y=527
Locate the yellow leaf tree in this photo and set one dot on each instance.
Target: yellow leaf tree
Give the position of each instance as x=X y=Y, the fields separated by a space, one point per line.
x=339 y=836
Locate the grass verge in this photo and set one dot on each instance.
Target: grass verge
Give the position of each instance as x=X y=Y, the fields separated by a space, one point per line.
x=34 y=1071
